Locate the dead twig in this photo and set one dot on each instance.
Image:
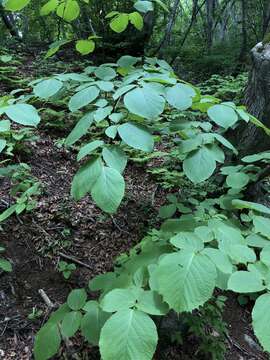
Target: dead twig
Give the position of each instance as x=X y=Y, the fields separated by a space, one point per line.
x=71 y=258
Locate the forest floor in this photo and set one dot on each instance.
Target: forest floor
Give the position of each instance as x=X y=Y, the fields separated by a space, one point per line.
x=59 y=228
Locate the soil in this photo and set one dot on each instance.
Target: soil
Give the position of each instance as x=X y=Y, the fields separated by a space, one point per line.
x=37 y=241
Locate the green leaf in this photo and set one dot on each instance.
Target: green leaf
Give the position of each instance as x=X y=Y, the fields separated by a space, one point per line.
x=136 y=136
x=128 y=335
x=198 y=165
x=47 y=342
x=69 y=10
x=23 y=114
x=152 y=303
x=71 y=323
x=136 y=19
x=15 y=5
x=144 y=6
x=187 y=241
x=265 y=255
x=180 y=96
x=101 y=113
x=49 y=7
x=3 y=144
x=5 y=265
x=47 y=88
x=145 y=103
x=240 y=204
x=85 y=178
x=220 y=259
x=83 y=98
x=89 y=148
x=93 y=321
x=245 y=282
x=108 y=190
x=167 y=211
x=115 y=158
x=119 y=23
x=105 y=73
x=127 y=61
x=77 y=299
x=256 y=157
x=262 y=225
x=80 y=129
x=237 y=180
x=118 y=299
x=223 y=115
x=85 y=47
x=8 y=212
x=4 y=125
x=261 y=320
x=186 y=280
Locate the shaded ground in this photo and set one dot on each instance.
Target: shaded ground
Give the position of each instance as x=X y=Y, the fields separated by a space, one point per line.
x=59 y=225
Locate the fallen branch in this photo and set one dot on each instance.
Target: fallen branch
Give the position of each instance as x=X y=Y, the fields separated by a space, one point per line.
x=71 y=258
x=46 y=299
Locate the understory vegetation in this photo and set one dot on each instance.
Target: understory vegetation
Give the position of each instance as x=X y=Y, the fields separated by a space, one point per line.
x=112 y=117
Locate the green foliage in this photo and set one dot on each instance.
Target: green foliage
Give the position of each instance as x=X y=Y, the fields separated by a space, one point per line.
x=66 y=269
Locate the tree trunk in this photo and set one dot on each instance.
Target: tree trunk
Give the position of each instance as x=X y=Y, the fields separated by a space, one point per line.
x=9 y=24
x=257 y=100
x=244 y=31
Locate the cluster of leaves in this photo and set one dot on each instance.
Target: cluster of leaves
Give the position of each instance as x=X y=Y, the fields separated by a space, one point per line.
x=218 y=242
x=5 y=265
x=227 y=88
x=66 y=269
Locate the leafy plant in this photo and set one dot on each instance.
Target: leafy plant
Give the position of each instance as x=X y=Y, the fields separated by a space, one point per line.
x=66 y=269
x=5 y=265
x=218 y=241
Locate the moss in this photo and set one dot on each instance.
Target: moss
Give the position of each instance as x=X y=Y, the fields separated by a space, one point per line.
x=266 y=39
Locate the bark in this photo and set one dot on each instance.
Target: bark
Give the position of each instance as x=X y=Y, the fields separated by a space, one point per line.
x=257 y=99
x=9 y=24
x=167 y=36
x=210 y=10
x=266 y=17
x=244 y=30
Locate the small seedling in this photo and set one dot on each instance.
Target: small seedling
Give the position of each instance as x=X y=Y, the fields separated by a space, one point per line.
x=66 y=269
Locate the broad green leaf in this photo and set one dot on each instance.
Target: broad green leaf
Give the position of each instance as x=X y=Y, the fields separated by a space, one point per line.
x=115 y=158
x=47 y=342
x=83 y=98
x=77 y=299
x=237 y=180
x=105 y=73
x=187 y=241
x=127 y=61
x=186 y=280
x=223 y=115
x=265 y=255
x=15 y=5
x=145 y=103
x=85 y=178
x=23 y=114
x=58 y=315
x=136 y=136
x=144 y=6
x=122 y=90
x=262 y=225
x=100 y=282
x=105 y=85
x=89 y=148
x=118 y=299
x=47 y=88
x=5 y=265
x=245 y=282
x=8 y=212
x=151 y=303
x=198 y=165
x=161 y=3
x=3 y=144
x=225 y=143
x=256 y=240
x=108 y=190
x=85 y=47
x=241 y=254
x=111 y=131
x=101 y=113
x=167 y=211
x=240 y=204
x=80 y=129
x=93 y=321
x=119 y=23
x=220 y=259
x=128 y=335
x=49 y=7
x=261 y=320
x=257 y=157
x=180 y=96
x=69 y=10
x=4 y=125
x=71 y=323
x=136 y=19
